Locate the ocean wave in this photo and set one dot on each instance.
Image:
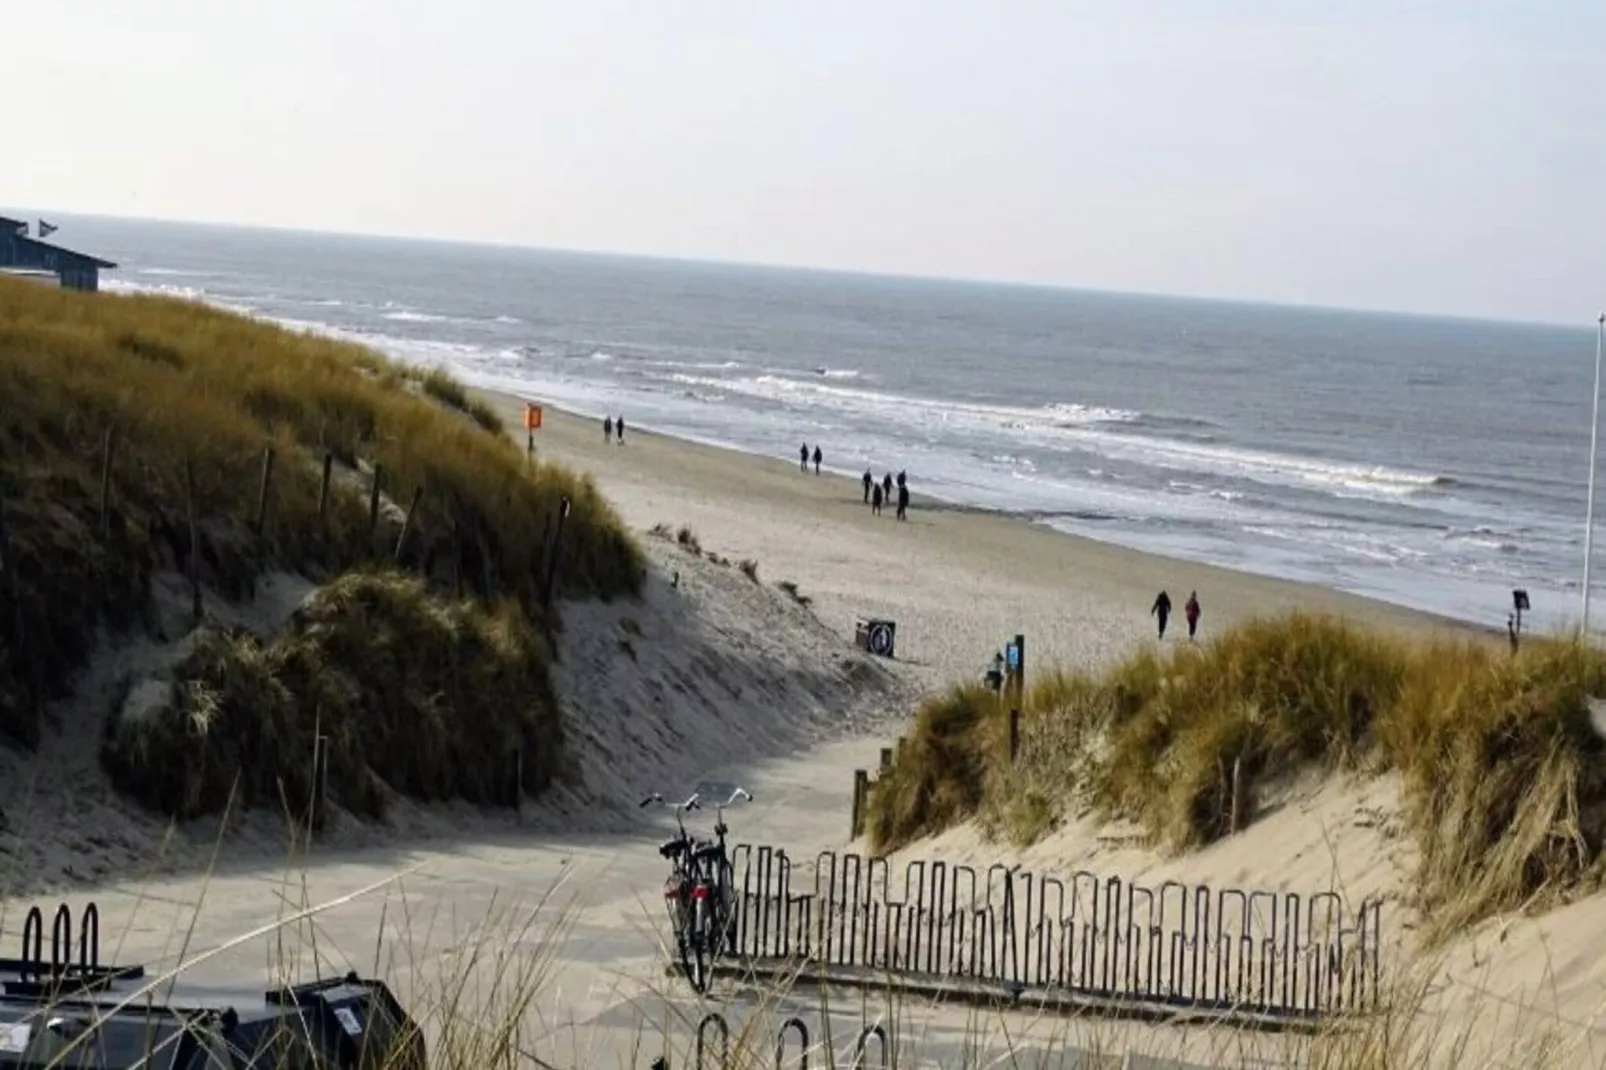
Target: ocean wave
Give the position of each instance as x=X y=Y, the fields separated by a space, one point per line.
x=878 y=404
x=512 y=320
x=838 y=373
x=409 y=316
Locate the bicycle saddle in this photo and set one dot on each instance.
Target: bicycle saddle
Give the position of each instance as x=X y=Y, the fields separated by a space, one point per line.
x=671 y=848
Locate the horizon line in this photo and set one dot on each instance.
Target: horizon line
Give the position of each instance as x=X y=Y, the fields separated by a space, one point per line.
x=860 y=273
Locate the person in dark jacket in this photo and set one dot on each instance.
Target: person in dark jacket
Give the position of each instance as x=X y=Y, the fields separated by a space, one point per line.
x=875 y=501
x=886 y=486
x=619 y=426
x=1190 y=610
x=868 y=479
x=607 y=429
x=817 y=459
x=803 y=458
x=1162 y=610
x=903 y=502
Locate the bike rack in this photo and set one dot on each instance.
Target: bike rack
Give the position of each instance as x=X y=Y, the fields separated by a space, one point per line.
x=1094 y=940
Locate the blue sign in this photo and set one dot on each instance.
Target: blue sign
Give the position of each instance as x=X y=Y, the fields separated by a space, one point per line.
x=1012 y=656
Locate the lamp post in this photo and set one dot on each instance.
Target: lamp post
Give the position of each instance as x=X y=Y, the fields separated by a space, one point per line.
x=1594 y=437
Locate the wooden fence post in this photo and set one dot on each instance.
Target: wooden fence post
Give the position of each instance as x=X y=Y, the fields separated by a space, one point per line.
x=373 y=499
x=323 y=486
x=407 y=523
x=886 y=760
x=897 y=754
x=106 y=451
x=263 y=490
x=861 y=792
x=1237 y=764
x=1014 y=734
x=320 y=781
x=194 y=568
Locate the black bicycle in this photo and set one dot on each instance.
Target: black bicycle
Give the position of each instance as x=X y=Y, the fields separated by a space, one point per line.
x=699 y=890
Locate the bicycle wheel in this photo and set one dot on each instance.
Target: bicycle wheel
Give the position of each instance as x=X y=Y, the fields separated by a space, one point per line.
x=682 y=922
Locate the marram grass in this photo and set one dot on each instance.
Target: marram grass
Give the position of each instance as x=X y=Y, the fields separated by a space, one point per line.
x=188 y=396
x=1504 y=776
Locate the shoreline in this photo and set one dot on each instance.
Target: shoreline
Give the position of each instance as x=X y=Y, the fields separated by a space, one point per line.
x=959 y=580
x=1038 y=518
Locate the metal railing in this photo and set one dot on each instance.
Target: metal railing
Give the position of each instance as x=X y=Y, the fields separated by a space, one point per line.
x=1175 y=945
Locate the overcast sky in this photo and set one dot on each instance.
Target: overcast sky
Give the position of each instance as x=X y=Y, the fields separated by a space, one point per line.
x=1436 y=158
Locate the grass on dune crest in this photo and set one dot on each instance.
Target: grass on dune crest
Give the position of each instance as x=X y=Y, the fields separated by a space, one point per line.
x=1504 y=777
x=185 y=389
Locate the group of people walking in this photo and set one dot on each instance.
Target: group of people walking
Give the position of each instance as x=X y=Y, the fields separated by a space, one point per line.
x=875 y=494
x=610 y=426
x=1190 y=610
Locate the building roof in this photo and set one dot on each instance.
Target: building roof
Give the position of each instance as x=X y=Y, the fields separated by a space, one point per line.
x=44 y=249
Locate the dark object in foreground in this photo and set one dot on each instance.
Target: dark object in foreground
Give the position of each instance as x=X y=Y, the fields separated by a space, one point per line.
x=70 y=1010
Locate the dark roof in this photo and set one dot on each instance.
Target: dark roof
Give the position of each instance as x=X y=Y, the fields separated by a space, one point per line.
x=11 y=226
x=83 y=259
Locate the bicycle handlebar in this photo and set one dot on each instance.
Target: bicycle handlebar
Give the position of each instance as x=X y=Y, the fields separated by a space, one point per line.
x=689 y=804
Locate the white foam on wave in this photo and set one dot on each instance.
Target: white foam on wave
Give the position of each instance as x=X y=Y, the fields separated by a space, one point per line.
x=878 y=404
x=409 y=316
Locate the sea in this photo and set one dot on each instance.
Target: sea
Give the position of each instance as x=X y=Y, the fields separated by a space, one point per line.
x=1435 y=463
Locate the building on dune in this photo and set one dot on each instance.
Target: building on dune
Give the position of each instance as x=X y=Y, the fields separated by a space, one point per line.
x=22 y=255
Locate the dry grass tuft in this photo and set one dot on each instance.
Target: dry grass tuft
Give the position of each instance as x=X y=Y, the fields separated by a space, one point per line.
x=1504 y=772
x=419 y=696
x=688 y=540
x=180 y=384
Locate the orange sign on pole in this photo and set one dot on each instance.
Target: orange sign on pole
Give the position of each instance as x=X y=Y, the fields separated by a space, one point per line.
x=532 y=416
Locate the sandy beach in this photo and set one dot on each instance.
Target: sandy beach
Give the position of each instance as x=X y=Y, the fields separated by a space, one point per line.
x=957 y=582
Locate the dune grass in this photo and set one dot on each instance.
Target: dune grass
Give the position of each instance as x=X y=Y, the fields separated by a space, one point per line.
x=1503 y=775
x=430 y=698
x=187 y=394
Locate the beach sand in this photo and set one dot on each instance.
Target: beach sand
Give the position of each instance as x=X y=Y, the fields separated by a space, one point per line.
x=957 y=582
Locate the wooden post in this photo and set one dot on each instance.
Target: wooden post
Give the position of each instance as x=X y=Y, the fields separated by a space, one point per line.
x=195 y=539
x=518 y=780
x=861 y=790
x=897 y=754
x=8 y=572
x=886 y=760
x=263 y=489
x=320 y=780
x=407 y=523
x=1020 y=669
x=552 y=555
x=373 y=499
x=106 y=448
x=1014 y=734
x=323 y=486
x=1232 y=826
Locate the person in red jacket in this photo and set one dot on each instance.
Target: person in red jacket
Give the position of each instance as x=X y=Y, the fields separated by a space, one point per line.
x=1191 y=611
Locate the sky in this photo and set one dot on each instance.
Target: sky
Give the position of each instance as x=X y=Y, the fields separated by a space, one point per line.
x=1440 y=158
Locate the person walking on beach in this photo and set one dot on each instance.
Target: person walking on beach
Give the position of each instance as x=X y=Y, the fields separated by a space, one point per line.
x=886 y=486
x=903 y=502
x=817 y=460
x=1190 y=610
x=875 y=501
x=619 y=426
x=902 y=479
x=868 y=479
x=607 y=429
x=1162 y=609
x=803 y=458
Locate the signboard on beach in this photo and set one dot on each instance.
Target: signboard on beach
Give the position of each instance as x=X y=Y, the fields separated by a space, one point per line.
x=532 y=416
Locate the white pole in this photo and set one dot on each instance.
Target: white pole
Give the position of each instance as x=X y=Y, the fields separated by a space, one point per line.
x=1594 y=438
